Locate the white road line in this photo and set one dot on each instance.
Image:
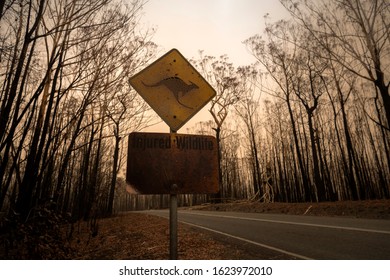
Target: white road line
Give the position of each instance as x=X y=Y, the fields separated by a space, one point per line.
x=292 y=223
x=250 y=241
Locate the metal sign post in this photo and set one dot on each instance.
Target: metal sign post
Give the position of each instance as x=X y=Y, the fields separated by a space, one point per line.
x=173 y=220
x=176 y=91
x=172 y=163
x=173 y=225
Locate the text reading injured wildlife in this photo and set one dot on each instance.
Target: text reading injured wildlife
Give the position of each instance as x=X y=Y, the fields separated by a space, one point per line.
x=166 y=142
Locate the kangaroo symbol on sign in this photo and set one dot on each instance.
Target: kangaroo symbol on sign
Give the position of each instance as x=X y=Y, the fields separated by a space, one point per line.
x=176 y=86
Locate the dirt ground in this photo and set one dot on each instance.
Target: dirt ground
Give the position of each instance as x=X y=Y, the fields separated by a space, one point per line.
x=139 y=236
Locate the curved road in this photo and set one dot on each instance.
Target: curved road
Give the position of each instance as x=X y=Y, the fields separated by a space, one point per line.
x=302 y=237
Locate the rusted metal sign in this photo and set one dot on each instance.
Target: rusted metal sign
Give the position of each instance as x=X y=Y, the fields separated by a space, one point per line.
x=158 y=161
x=173 y=88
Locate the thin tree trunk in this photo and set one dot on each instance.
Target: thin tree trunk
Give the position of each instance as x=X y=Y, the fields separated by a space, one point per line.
x=305 y=181
x=114 y=173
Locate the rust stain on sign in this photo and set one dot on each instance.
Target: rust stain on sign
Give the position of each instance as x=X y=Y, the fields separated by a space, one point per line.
x=157 y=161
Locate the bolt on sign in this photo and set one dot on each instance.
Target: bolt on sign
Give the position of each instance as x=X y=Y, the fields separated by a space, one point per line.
x=173 y=88
x=158 y=161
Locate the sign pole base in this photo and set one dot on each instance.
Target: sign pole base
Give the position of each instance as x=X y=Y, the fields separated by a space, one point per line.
x=173 y=227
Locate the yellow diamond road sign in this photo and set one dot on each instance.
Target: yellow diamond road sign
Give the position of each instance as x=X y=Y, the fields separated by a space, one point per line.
x=173 y=88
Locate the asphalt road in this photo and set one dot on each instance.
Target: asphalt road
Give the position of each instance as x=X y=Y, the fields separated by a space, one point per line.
x=302 y=237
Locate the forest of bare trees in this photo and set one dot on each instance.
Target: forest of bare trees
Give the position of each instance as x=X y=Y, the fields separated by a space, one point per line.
x=309 y=121
x=66 y=104
x=327 y=124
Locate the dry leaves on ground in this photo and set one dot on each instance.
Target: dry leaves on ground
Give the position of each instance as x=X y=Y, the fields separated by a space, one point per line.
x=137 y=236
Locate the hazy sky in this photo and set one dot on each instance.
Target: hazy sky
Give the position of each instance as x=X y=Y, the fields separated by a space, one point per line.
x=216 y=26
